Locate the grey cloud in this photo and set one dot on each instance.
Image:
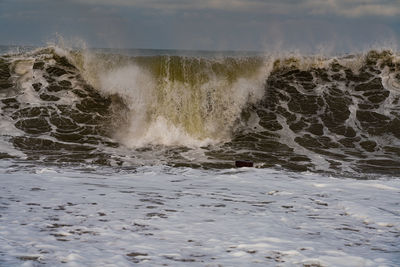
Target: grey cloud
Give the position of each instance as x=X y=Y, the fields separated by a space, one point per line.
x=336 y=25
x=355 y=8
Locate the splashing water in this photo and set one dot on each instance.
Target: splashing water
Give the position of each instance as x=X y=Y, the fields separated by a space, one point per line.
x=302 y=113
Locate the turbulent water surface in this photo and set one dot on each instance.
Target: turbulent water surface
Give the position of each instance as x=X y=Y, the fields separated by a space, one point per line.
x=120 y=158
x=336 y=115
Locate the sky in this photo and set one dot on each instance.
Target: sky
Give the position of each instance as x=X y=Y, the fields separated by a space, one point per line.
x=261 y=25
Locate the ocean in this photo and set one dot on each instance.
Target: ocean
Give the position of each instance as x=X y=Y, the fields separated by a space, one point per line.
x=122 y=157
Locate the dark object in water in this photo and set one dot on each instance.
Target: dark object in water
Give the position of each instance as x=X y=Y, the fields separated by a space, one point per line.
x=243 y=163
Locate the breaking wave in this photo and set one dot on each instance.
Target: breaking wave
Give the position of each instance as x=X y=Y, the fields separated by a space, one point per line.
x=338 y=115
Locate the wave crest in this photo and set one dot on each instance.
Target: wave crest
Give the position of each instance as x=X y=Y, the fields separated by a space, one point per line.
x=303 y=113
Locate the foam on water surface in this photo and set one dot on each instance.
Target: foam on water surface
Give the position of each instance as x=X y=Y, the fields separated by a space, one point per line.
x=96 y=149
x=336 y=115
x=188 y=217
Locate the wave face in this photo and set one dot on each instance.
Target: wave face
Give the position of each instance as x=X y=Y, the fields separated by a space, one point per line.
x=336 y=115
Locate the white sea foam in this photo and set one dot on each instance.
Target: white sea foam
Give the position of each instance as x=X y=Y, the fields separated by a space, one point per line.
x=163 y=110
x=194 y=102
x=188 y=217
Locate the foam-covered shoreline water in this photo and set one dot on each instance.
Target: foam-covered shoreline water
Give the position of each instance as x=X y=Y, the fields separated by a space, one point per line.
x=117 y=160
x=337 y=115
x=184 y=216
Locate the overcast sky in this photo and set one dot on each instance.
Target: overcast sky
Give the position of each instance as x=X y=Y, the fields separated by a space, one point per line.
x=305 y=25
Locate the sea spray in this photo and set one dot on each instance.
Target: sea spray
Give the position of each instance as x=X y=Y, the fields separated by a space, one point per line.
x=195 y=101
x=303 y=113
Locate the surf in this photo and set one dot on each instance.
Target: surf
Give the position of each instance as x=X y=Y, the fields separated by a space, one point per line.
x=304 y=113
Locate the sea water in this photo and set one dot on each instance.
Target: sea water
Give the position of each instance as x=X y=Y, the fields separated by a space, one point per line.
x=117 y=158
